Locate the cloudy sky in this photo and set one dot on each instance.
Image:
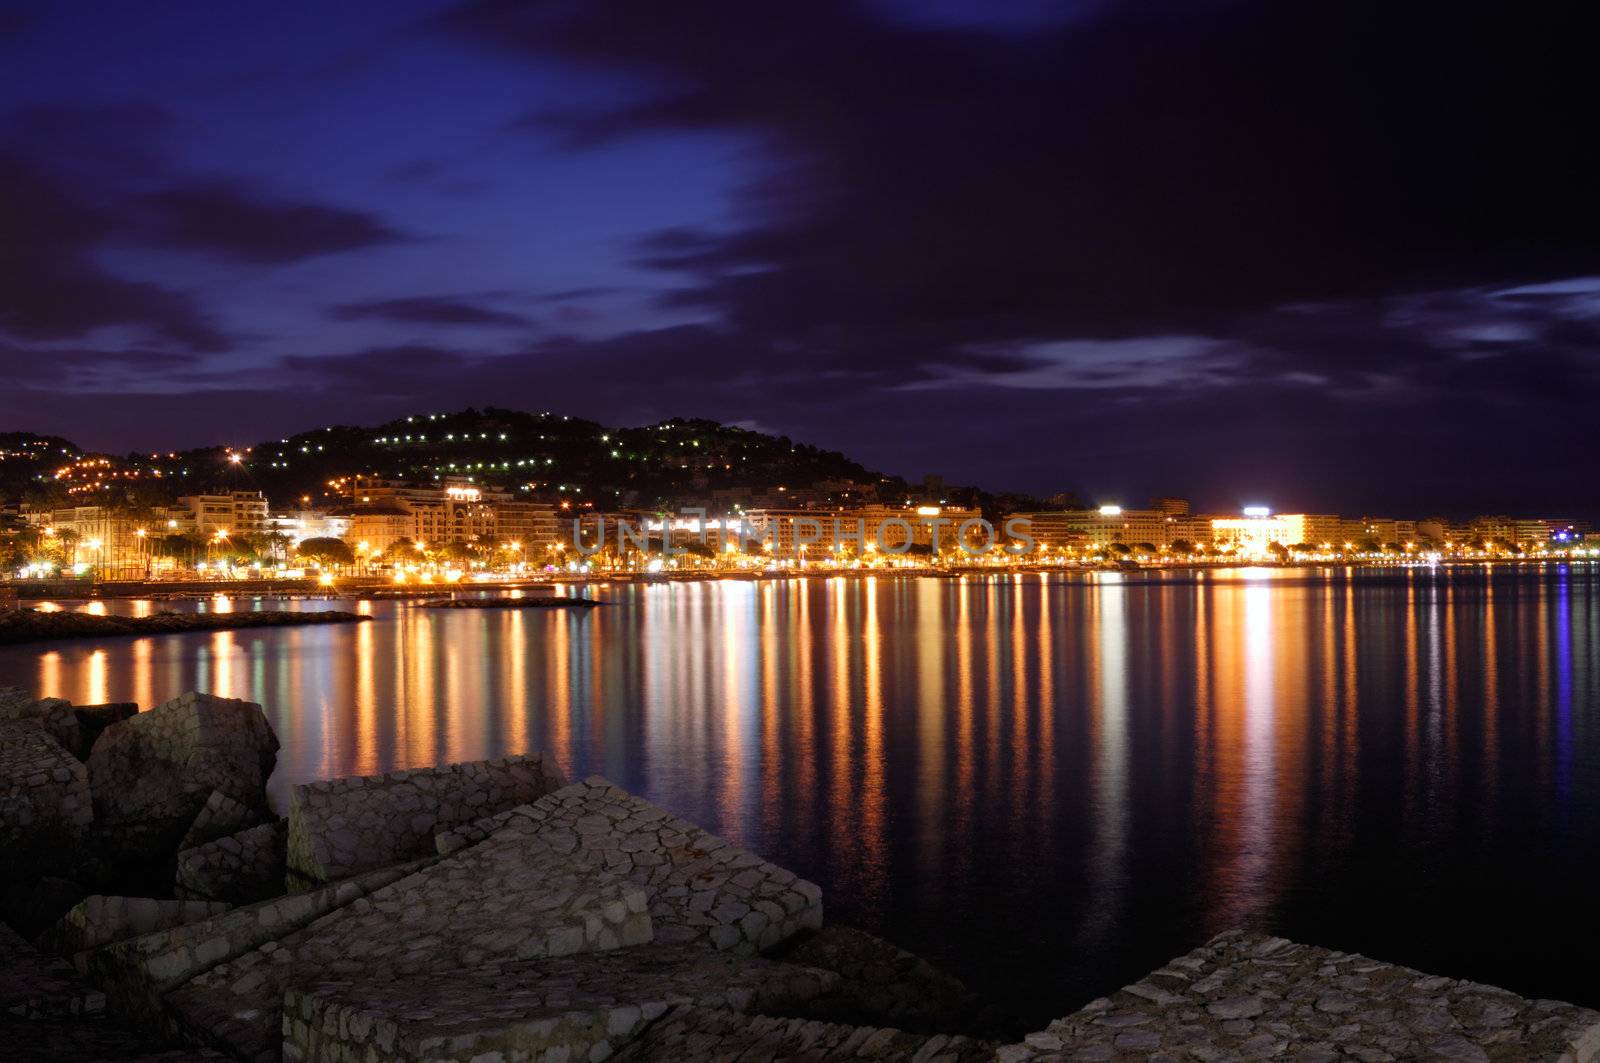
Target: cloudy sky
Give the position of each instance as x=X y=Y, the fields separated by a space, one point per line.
x=1331 y=255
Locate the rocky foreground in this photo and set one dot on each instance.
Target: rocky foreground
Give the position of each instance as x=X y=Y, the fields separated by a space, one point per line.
x=492 y=912
x=33 y=625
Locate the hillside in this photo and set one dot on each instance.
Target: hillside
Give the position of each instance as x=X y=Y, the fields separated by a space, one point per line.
x=546 y=455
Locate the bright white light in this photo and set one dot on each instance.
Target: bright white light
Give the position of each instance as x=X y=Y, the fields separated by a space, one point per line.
x=1257 y=511
x=1110 y=511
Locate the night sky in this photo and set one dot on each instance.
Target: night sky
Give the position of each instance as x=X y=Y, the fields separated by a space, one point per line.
x=1320 y=255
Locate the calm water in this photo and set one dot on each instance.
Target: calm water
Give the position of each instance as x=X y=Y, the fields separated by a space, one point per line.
x=1048 y=785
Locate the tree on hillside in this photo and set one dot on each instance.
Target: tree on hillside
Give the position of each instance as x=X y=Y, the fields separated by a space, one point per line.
x=325 y=551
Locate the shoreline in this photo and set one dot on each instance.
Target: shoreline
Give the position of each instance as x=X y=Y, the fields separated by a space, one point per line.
x=30 y=625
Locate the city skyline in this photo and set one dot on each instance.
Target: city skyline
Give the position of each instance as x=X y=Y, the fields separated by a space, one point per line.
x=1206 y=244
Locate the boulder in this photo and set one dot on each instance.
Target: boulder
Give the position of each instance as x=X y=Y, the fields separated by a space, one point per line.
x=339 y=827
x=44 y=789
x=240 y=868
x=54 y=715
x=152 y=773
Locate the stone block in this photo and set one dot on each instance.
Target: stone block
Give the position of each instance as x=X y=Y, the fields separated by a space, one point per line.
x=509 y=898
x=574 y=1007
x=99 y=920
x=338 y=827
x=219 y=817
x=694 y=1033
x=44 y=789
x=240 y=868
x=1251 y=996
x=701 y=887
x=54 y=715
x=156 y=770
x=137 y=973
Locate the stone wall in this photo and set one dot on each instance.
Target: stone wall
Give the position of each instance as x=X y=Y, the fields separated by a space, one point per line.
x=219 y=817
x=701 y=887
x=576 y=1007
x=1249 y=996
x=504 y=900
x=99 y=920
x=54 y=715
x=240 y=868
x=43 y=788
x=155 y=771
x=693 y=1033
x=137 y=973
x=338 y=827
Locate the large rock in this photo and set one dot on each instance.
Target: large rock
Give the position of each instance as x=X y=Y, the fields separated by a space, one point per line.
x=54 y=715
x=338 y=827
x=507 y=899
x=574 y=1007
x=44 y=790
x=152 y=773
x=240 y=868
x=1249 y=996
x=701 y=887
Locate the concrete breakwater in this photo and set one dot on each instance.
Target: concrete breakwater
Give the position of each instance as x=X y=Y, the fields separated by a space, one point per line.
x=539 y=602
x=493 y=911
x=33 y=625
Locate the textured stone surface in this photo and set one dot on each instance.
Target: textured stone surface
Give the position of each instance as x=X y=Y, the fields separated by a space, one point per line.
x=340 y=826
x=219 y=817
x=508 y=898
x=53 y=714
x=701 y=887
x=137 y=973
x=714 y=1036
x=154 y=771
x=34 y=985
x=579 y=1005
x=879 y=984
x=43 y=787
x=99 y=920
x=240 y=868
x=1244 y=996
x=88 y=1039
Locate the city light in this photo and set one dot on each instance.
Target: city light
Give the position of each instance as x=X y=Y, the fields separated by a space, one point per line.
x=1257 y=511
x=1111 y=511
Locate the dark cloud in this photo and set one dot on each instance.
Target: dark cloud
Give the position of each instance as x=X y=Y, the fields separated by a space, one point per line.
x=429 y=310
x=1158 y=167
x=225 y=219
x=88 y=368
x=54 y=289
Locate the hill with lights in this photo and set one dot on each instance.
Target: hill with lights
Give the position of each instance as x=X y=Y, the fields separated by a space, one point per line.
x=541 y=455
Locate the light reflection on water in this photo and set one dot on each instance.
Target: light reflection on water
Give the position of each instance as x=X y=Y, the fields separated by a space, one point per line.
x=1050 y=785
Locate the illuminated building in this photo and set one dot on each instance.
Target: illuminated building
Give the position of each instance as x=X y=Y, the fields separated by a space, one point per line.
x=240 y=514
